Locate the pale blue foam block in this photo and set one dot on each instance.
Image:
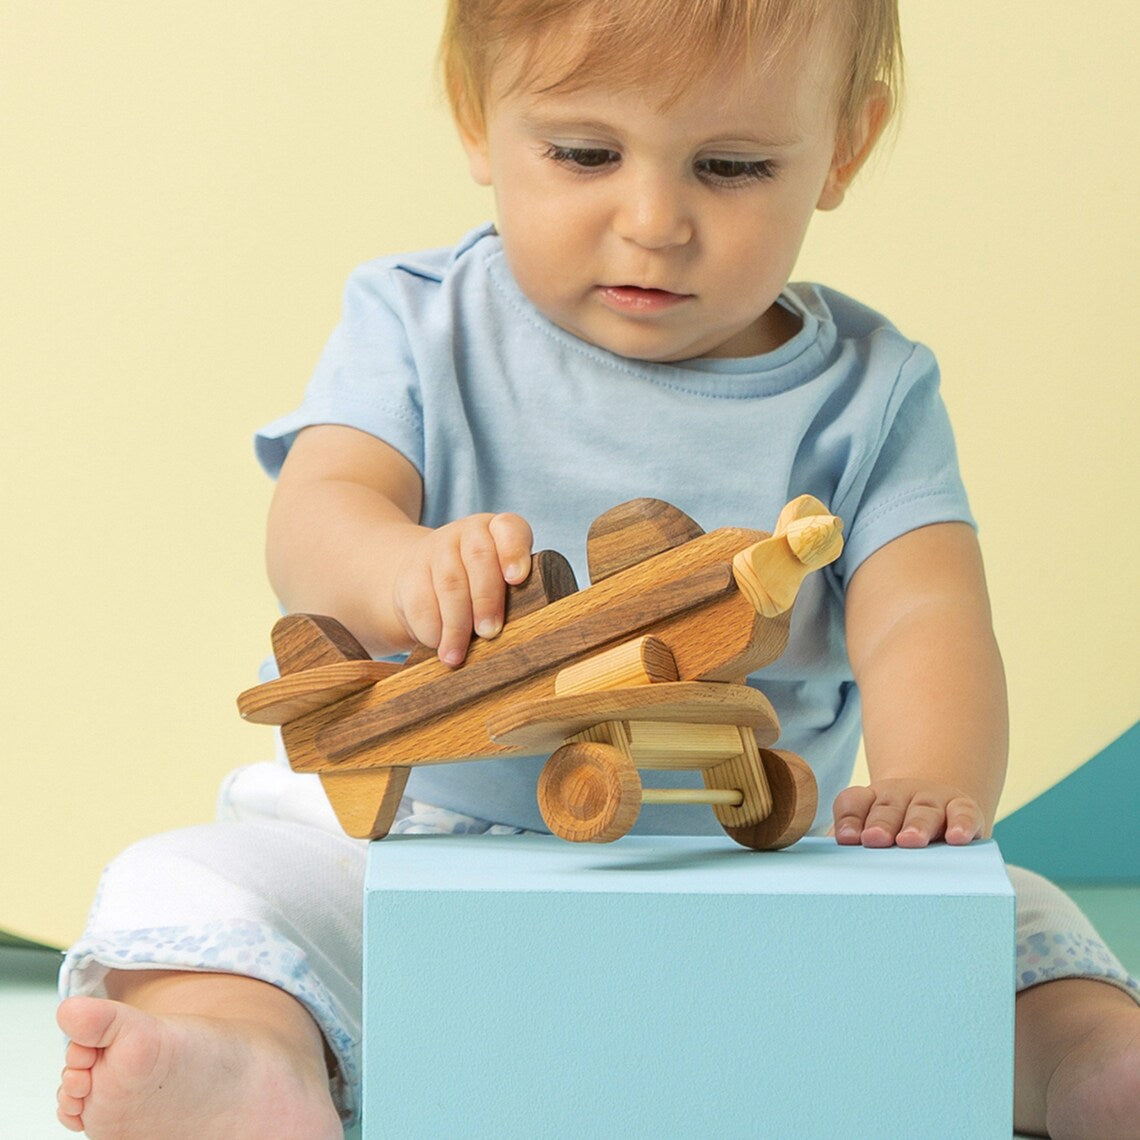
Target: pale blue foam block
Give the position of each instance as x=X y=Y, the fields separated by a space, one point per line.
x=685 y=987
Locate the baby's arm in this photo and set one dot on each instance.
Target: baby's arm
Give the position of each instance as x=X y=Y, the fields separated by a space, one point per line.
x=933 y=689
x=344 y=540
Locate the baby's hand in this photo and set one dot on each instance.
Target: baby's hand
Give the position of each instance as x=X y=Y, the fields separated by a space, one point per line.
x=452 y=581
x=910 y=813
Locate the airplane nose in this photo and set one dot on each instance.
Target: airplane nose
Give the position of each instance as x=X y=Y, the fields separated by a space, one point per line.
x=769 y=572
x=816 y=540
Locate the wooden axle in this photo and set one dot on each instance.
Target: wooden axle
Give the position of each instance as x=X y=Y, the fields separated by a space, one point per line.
x=731 y=797
x=590 y=791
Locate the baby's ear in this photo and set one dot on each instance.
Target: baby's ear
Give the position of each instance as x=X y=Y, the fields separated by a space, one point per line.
x=853 y=149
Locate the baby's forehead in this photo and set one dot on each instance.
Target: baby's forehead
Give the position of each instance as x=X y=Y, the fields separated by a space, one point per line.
x=578 y=55
x=581 y=59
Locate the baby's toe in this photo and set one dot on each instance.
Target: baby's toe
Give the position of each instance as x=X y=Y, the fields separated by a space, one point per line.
x=76 y=1083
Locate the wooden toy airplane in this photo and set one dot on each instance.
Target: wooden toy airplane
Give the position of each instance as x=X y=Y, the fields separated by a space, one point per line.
x=643 y=669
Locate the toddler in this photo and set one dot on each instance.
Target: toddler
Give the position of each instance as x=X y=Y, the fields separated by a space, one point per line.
x=626 y=329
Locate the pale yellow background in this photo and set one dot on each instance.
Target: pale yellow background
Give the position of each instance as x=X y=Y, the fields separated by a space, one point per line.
x=184 y=189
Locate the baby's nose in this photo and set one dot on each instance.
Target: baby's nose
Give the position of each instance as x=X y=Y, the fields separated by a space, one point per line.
x=653 y=214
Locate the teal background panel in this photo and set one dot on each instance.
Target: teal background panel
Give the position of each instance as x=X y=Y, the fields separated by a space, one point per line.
x=678 y=987
x=1086 y=828
x=1114 y=909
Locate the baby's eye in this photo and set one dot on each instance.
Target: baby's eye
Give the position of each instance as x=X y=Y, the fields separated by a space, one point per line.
x=583 y=157
x=735 y=170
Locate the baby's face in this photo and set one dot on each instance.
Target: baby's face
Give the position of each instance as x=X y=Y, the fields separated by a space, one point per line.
x=665 y=232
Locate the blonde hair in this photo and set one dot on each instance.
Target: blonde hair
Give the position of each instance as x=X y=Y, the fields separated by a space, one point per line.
x=579 y=42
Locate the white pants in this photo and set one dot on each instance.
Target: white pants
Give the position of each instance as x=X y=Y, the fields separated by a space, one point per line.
x=274 y=891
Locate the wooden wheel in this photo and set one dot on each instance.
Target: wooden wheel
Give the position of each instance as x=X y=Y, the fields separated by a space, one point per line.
x=589 y=792
x=794 y=802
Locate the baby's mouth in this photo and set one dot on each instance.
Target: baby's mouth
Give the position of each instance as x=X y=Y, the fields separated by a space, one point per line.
x=638 y=299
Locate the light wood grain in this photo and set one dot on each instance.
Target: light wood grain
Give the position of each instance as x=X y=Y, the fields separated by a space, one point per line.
x=801 y=507
x=771 y=572
x=365 y=801
x=642 y=661
x=295 y=694
x=536 y=726
x=666 y=745
x=516 y=661
x=745 y=772
x=589 y=792
x=794 y=804
x=725 y=797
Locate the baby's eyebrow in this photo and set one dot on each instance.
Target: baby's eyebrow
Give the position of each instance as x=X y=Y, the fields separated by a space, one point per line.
x=555 y=125
x=743 y=136
x=570 y=126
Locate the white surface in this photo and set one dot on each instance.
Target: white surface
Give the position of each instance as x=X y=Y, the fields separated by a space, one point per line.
x=31 y=1047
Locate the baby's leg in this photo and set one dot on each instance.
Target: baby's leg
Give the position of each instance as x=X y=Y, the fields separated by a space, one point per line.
x=1077 y=1052
x=1077 y=1071
x=178 y=1054
x=258 y=919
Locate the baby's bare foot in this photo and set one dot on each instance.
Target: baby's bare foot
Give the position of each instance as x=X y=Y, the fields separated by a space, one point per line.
x=132 y=1074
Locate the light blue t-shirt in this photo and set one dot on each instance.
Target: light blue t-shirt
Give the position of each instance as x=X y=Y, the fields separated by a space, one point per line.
x=440 y=355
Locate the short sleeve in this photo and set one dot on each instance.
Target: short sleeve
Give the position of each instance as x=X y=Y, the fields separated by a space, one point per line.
x=366 y=377
x=911 y=478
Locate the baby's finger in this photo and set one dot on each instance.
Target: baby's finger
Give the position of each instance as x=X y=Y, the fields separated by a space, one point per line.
x=418 y=608
x=513 y=542
x=964 y=821
x=925 y=820
x=453 y=597
x=850 y=814
x=485 y=584
x=883 y=820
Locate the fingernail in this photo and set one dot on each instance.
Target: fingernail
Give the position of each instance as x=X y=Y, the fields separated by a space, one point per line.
x=489 y=627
